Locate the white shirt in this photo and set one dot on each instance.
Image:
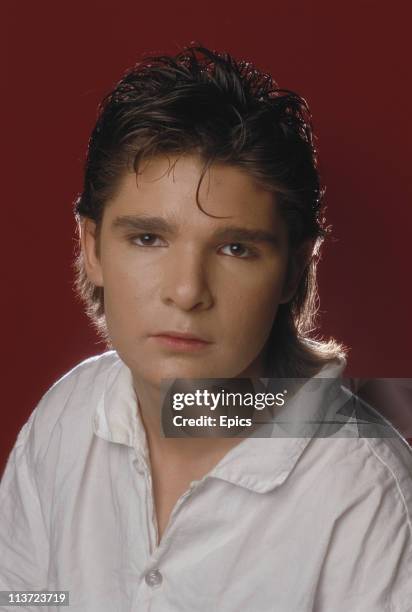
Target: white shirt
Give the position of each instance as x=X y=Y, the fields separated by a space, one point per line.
x=280 y=524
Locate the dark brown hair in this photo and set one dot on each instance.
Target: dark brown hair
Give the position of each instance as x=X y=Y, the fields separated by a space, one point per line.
x=223 y=110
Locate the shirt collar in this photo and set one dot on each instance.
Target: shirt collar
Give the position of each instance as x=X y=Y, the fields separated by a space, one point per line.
x=258 y=464
x=262 y=464
x=116 y=418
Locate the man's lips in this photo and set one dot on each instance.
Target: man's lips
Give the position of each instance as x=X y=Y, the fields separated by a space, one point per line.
x=179 y=340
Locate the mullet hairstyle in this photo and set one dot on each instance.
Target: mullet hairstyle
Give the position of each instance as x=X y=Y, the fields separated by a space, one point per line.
x=226 y=111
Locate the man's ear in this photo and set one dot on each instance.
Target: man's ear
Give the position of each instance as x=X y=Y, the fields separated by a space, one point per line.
x=298 y=261
x=89 y=237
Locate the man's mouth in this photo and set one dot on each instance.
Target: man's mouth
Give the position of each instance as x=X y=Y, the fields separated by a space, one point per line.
x=181 y=340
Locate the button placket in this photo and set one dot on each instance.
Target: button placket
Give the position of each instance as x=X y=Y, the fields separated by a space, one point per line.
x=143 y=469
x=154 y=530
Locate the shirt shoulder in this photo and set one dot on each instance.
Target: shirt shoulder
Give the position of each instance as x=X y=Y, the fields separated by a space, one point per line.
x=68 y=404
x=386 y=451
x=393 y=457
x=363 y=474
x=367 y=452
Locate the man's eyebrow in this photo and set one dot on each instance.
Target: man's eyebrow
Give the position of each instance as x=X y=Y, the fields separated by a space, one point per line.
x=244 y=234
x=230 y=233
x=143 y=223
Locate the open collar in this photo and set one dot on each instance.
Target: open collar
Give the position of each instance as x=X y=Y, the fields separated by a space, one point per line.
x=258 y=464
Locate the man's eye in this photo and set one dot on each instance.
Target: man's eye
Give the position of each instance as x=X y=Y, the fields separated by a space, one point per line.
x=235 y=249
x=147 y=240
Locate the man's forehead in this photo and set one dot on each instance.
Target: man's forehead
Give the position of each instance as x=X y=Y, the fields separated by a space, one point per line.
x=187 y=166
x=174 y=190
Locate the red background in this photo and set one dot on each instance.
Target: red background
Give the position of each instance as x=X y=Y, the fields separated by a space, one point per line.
x=349 y=60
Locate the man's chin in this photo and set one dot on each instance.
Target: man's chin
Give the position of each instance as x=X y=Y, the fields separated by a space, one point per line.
x=153 y=369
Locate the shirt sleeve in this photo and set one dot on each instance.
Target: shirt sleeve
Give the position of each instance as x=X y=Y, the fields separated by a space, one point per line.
x=23 y=535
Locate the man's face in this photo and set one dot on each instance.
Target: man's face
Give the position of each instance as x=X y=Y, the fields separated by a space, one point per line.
x=168 y=268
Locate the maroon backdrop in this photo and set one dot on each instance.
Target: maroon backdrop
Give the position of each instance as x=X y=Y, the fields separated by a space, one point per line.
x=350 y=60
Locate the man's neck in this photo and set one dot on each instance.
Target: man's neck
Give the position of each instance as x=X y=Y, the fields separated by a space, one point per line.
x=193 y=450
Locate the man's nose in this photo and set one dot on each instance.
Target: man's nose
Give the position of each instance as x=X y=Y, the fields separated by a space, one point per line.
x=186 y=282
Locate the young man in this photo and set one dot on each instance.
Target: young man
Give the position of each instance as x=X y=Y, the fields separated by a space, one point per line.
x=200 y=228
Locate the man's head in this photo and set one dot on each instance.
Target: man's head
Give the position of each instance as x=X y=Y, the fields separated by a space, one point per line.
x=220 y=137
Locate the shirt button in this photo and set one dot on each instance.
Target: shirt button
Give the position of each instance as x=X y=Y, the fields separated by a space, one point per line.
x=153 y=578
